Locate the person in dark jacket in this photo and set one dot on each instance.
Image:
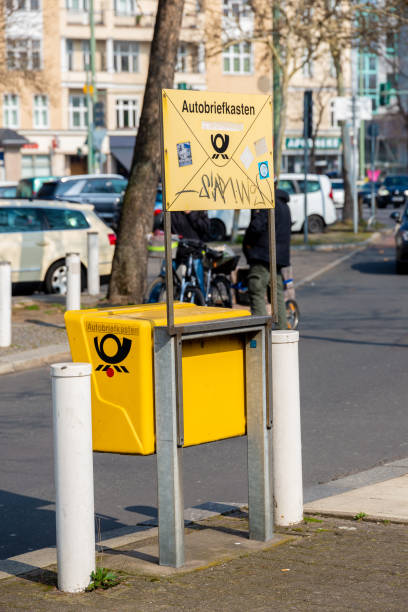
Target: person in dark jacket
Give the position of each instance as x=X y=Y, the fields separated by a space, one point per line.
x=256 y=250
x=194 y=225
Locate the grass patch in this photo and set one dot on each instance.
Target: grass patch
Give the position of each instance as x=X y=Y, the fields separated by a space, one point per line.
x=32 y=307
x=339 y=233
x=311 y=519
x=102 y=578
x=360 y=516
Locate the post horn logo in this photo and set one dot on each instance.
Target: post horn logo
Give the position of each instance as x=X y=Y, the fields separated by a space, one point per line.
x=220 y=148
x=122 y=352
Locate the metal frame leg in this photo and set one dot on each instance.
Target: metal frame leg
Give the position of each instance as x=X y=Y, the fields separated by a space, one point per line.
x=169 y=456
x=260 y=495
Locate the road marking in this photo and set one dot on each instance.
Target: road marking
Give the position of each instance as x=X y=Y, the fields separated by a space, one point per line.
x=329 y=266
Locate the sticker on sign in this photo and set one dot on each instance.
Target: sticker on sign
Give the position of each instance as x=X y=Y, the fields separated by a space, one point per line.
x=217 y=150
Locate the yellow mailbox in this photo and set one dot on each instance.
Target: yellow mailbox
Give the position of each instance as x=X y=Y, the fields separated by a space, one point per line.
x=118 y=342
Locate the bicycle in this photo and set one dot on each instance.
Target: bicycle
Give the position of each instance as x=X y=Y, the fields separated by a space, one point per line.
x=292 y=308
x=186 y=277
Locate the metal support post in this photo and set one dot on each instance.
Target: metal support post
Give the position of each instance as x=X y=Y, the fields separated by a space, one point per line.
x=287 y=451
x=93 y=263
x=71 y=402
x=73 y=263
x=5 y=303
x=260 y=497
x=169 y=455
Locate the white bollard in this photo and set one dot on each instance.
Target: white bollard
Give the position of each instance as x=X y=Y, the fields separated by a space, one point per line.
x=73 y=263
x=93 y=263
x=73 y=462
x=287 y=447
x=5 y=303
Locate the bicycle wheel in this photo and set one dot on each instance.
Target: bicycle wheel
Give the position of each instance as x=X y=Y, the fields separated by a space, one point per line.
x=193 y=295
x=292 y=314
x=221 y=295
x=156 y=291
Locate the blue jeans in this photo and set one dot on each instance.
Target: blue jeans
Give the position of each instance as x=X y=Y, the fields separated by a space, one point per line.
x=199 y=270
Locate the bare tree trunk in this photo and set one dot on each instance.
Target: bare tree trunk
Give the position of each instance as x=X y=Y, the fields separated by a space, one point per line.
x=278 y=144
x=345 y=137
x=129 y=268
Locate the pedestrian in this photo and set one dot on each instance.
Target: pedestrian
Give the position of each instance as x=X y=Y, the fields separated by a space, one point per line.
x=256 y=250
x=192 y=225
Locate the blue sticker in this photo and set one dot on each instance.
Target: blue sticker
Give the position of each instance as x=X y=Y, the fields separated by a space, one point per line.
x=263 y=168
x=252 y=344
x=184 y=154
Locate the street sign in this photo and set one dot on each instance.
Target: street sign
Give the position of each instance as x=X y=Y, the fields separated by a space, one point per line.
x=373 y=130
x=343 y=108
x=217 y=150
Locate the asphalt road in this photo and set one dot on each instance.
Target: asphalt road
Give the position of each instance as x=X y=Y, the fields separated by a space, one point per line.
x=353 y=347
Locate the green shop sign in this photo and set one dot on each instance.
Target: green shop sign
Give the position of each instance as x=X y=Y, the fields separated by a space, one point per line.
x=322 y=142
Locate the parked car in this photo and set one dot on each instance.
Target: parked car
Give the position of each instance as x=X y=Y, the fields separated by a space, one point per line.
x=8 y=189
x=35 y=237
x=29 y=187
x=394 y=190
x=364 y=192
x=321 y=209
x=401 y=240
x=338 y=192
x=104 y=191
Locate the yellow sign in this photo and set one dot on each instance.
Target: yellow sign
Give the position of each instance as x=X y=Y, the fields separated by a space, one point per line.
x=88 y=89
x=217 y=150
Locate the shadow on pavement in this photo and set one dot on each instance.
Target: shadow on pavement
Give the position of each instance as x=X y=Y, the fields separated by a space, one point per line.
x=375 y=267
x=28 y=524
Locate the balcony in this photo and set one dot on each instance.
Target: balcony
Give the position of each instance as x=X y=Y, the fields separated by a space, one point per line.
x=82 y=17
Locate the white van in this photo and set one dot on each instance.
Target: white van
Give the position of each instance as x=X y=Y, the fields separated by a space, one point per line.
x=320 y=206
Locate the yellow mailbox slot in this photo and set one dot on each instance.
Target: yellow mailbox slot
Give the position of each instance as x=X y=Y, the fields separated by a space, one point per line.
x=118 y=342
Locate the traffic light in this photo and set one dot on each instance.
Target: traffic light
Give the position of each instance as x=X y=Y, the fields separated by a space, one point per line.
x=308 y=114
x=385 y=93
x=99 y=114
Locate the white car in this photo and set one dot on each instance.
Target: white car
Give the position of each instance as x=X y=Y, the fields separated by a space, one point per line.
x=35 y=236
x=320 y=207
x=338 y=192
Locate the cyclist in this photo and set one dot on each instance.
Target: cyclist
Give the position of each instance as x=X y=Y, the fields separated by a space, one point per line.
x=192 y=225
x=256 y=250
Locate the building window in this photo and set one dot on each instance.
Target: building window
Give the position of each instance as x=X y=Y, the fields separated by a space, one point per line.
x=236 y=9
x=22 y=5
x=40 y=111
x=78 y=111
x=307 y=68
x=126 y=56
x=127 y=112
x=181 y=64
x=333 y=122
x=125 y=7
x=23 y=54
x=368 y=77
x=10 y=111
x=86 y=54
x=77 y=6
x=35 y=165
x=70 y=54
x=238 y=59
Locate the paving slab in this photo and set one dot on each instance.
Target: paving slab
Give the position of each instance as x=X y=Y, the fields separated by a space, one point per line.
x=386 y=500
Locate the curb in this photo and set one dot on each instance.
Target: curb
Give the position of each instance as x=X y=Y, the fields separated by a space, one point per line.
x=34 y=358
x=44 y=557
x=334 y=246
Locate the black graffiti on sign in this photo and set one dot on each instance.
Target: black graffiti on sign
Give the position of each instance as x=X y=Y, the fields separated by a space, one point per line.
x=220 y=143
x=122 y=351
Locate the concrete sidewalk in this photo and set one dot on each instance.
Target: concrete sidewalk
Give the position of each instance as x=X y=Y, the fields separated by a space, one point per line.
x=327 y=562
